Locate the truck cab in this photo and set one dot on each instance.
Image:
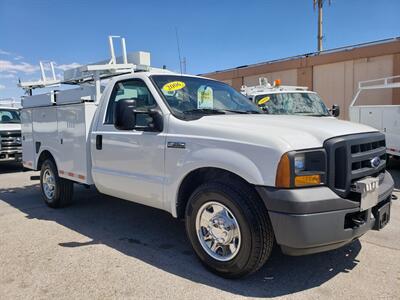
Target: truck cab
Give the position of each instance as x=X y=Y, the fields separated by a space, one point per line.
x=242 y=180
x=10 y=134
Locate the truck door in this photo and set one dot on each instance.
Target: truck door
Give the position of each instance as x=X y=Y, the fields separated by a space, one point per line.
x=129 y=164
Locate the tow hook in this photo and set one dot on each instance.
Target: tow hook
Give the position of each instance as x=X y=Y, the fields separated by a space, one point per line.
x=358 y=221
x=394 y=197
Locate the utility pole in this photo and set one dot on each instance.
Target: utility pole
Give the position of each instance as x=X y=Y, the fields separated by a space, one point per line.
x=320 y=4
x=182 y=61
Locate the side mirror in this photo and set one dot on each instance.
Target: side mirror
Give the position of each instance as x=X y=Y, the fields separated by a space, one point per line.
x=127 y=117
x=335 y=110
x=124 y=115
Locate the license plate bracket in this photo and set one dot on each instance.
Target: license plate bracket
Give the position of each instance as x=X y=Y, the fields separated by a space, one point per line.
x=368 y=187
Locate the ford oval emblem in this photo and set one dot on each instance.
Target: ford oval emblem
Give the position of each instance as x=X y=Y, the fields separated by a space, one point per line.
x=375 y=162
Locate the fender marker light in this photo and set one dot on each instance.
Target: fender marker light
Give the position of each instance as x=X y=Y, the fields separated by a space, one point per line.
x=305 y=180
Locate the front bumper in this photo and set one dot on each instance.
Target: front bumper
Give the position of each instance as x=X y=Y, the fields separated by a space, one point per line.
x=312 y=220
x=10 y=156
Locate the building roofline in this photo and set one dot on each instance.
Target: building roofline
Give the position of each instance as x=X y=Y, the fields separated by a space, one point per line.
x=314 y=58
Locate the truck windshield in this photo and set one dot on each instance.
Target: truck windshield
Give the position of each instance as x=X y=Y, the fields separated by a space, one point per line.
x=309 y=104
x=188 y=96
x=9 y=116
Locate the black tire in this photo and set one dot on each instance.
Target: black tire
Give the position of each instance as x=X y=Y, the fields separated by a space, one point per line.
x=63 y=188
x=257 y=238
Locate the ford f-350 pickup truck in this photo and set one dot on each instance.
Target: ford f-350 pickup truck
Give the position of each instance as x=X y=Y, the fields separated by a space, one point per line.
x=242 y=180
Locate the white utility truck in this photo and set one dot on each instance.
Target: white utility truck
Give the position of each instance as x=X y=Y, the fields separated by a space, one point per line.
x=196 y=148
x=385 y=118
x=277 y=99
x=10 y=132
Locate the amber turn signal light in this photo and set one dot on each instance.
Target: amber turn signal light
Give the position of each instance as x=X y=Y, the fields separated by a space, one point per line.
x=305 y=180
x=283 y=172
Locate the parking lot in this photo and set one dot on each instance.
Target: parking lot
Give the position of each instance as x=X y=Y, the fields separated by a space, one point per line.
x=102 y=247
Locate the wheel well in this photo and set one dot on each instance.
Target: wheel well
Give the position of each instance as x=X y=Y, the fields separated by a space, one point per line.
x=197 y=177
x=43 y=157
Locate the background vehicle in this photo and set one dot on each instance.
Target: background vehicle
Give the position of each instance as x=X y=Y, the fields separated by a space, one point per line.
x=385 y=118
x=278 y=99
x=10 y=133
x=196 y=148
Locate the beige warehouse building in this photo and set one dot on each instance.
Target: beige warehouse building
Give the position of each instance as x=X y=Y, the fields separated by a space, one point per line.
x=334 y=74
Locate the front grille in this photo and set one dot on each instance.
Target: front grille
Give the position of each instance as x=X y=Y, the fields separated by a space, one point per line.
x=349 y=159
x=10 y=141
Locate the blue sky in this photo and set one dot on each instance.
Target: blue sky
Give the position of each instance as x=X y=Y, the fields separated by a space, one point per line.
x=214 y=34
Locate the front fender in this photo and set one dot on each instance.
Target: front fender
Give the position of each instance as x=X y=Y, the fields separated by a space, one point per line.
x=180 y=163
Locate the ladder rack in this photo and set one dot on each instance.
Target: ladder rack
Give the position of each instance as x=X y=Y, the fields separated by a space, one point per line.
x=375 y=84
x=94 y=73
x=264 y=87
x=28 y=86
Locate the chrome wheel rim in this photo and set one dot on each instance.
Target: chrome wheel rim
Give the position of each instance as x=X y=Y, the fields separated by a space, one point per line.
x=48 y=184
x=218 y=231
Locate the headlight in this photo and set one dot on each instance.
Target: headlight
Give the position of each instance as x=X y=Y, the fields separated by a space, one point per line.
x=301 y=168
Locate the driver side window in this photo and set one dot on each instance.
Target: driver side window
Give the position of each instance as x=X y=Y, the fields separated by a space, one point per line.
x=133 y=89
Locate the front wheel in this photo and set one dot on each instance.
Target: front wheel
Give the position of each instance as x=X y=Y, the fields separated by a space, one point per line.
x=229 y=228
x=56 y=191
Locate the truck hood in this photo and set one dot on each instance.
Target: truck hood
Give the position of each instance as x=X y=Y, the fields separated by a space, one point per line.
x=10 y=127
x=283 y=131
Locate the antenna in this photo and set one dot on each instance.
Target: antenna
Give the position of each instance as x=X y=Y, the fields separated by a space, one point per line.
x=320 y=4
x=179 y=51
x=184 y=65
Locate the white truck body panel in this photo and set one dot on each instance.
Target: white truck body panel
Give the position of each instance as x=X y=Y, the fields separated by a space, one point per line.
x=28 y=153
x=385 y=118
x=64 y=132
x=39 y=100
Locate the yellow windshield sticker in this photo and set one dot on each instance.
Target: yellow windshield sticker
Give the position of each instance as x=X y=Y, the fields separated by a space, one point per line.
x=205 y=98
x=263 y=100
x=173 y=86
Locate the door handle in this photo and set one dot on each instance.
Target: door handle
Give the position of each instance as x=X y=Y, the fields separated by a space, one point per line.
x=99 y=142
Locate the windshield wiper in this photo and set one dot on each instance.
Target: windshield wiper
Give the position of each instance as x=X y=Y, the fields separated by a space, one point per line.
x=212 y=111
x=242 y=111
x=205 y=111
x=311 y=114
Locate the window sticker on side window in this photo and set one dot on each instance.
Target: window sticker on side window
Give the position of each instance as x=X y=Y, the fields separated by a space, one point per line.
x=173 y=86
x=205 y=97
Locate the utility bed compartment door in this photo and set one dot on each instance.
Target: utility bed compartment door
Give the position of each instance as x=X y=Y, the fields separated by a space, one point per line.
x=391 y=128
x=28 y=151
x=371 y=116
x=74 y=121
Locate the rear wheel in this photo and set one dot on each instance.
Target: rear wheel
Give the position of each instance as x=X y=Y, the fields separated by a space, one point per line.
x=229 y=228
x=56 y=191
